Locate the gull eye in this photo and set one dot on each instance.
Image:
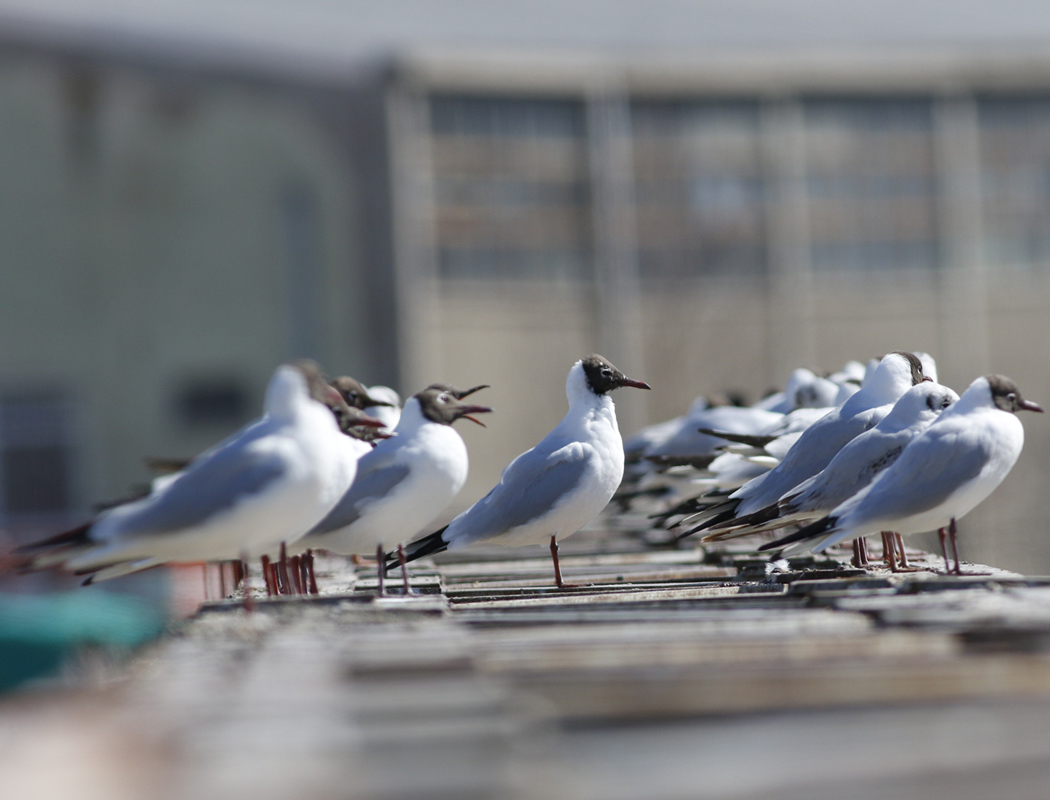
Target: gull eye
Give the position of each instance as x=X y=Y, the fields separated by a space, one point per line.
x=1012 y=397
x=606 y=372
x=443 y=398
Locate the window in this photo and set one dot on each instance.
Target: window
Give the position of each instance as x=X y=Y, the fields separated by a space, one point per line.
x=871 y=181
x=1015 y=166
x=511 y=188
x=216 y=401
x=36 y=454
x=698 y=188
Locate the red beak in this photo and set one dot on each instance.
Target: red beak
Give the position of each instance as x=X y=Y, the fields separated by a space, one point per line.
x=635 y=384
x=466 y=412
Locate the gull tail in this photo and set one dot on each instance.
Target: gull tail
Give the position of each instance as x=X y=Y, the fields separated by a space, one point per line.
x=98 y=574
x=815 y=531
x=741 y=526
x=711 y=517
x=428 y=545
x=752 y=440
x=690 y=506
x=54 y=550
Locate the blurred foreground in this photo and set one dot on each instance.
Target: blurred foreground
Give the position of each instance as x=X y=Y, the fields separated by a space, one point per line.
x=668 y=674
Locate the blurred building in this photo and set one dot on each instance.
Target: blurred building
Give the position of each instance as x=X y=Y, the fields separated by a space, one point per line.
x=708 y=194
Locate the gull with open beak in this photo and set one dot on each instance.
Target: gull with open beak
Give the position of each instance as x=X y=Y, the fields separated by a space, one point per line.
x=406 y=481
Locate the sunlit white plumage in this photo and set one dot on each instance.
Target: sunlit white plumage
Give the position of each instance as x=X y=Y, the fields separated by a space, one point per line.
x=559 y=485
x=939 y=477
x=268 y=483
x=853 y=467
x=404 y=483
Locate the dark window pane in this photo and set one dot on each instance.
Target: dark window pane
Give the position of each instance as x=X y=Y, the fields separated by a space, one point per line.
x=36 y=480
x=35 y=457
x=212 y=403
x=872 y=183
x=510 y=187
x=1015 y=179
x=698 y=188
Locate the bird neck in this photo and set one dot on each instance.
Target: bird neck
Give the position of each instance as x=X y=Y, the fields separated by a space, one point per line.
x=411 y=418
x=592 y=408
x=890 y=381
x=977 y=395
x=287 y=394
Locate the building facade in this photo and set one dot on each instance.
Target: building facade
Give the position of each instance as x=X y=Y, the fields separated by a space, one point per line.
x=172 y=229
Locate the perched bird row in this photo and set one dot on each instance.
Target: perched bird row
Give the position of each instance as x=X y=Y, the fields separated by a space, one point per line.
x=903 y=454
x=316 y=471
x=882 y=448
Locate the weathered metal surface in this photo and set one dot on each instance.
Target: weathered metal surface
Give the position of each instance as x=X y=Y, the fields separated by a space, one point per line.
x=489 y=681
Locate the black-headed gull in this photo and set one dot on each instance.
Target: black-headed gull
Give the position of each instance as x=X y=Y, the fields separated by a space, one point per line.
x=939 y=477
x=356 y=395
x=852 y=468
x=265 y=485
x=557 y=487
x=405 y=482
x=814 y=449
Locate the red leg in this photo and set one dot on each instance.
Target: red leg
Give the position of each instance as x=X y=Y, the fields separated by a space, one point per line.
x=311 y=575
x=267 y=575
x=942 y=534
x=282 y=571
x=557 y=567
x=952 y=533
x=858 y=559
x=865 y=559
x=379 y=560
x=404 y=569
x=297 y=575
x=889 y=550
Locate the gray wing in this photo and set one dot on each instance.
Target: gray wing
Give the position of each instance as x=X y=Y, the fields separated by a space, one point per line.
x=530 y=486
x=371 y=485
x=929 y=470
x=853 y=468
x=209 y=486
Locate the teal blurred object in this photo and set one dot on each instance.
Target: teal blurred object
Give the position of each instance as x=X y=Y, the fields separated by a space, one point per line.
x=38 y=632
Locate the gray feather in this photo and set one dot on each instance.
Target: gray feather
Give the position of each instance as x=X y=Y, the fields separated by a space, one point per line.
x=208 y=488
x=518 y=500
x=367 y=487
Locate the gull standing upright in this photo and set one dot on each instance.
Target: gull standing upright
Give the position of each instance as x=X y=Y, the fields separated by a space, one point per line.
x=356 y=395
x=405 y=482
x=267 y=484
x=814 y=449
x=942 y=475
x=853 y=467
x=557 y=487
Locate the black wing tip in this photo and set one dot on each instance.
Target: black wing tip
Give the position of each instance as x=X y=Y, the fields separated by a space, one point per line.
x=811 y=531
x=70 y=538
x=752 y=440
x=429 y=545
